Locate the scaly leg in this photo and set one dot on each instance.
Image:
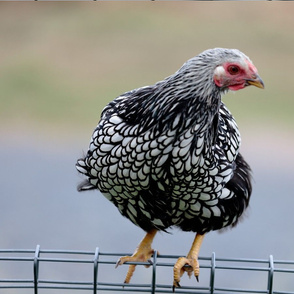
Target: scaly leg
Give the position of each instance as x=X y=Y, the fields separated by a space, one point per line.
x=142 y=253
x=189 y=264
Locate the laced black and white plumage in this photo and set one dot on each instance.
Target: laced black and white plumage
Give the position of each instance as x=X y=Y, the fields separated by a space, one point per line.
x=168 y=154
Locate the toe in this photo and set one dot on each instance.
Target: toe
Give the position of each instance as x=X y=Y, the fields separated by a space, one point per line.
x=122 y=260
x=185 y=264
x=179 y=269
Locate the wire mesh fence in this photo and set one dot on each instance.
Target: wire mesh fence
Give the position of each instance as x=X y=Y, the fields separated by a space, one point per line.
x=86 y=272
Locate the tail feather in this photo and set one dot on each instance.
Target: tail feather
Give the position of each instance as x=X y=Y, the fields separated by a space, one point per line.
x=83 y=169
x=81 y=166
x=85 y=186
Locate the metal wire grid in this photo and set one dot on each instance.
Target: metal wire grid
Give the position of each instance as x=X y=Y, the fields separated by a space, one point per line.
x=97 y=259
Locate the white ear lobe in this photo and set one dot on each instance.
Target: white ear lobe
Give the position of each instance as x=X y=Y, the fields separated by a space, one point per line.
x=219 y=71
x=218 y=75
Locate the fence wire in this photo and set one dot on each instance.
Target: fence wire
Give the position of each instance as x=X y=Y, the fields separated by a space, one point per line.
x=37 y=260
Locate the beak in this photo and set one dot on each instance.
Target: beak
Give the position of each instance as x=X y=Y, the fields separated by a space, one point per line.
x=257 y=82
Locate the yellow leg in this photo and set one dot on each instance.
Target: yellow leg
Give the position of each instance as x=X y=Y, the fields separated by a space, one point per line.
x=142 y=254
x=188 y=264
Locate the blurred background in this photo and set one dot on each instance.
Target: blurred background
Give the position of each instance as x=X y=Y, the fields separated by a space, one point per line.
x=61 y=63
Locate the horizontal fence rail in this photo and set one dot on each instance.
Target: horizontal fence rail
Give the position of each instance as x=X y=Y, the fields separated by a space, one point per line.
x=267 y=275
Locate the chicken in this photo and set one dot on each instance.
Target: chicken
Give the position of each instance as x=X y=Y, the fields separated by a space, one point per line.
x=168 y=154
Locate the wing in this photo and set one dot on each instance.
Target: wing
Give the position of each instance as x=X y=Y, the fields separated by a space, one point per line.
x=137 y=149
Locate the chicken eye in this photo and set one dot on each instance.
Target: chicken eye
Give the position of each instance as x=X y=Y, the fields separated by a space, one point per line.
x=233 y=69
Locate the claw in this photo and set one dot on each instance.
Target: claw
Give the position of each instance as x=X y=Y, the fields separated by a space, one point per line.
x=176 y=285
x=188 y=264
x=118 y=263
x=185 y=264
x=142 y=254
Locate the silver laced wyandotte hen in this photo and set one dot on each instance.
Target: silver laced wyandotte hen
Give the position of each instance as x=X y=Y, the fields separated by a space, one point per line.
x=168 y=154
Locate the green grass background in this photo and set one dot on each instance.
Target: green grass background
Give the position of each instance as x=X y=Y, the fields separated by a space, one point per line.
x=61 y=63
